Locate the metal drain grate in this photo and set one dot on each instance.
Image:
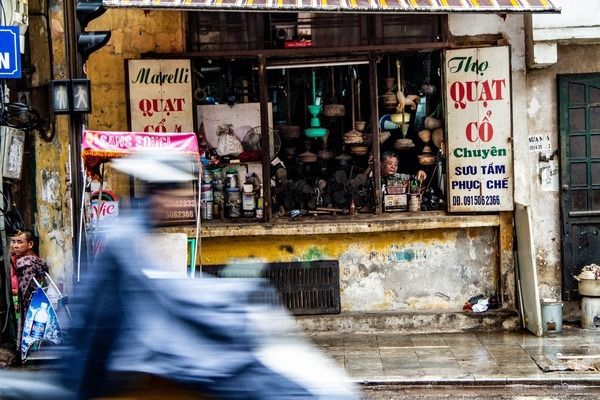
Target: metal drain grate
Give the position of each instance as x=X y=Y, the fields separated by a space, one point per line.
x=305 y=287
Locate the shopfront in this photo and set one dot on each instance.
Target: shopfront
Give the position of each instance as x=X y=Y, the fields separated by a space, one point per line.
x=349 y=133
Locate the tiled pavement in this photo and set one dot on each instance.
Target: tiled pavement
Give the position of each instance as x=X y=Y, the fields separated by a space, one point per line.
x=466 y=358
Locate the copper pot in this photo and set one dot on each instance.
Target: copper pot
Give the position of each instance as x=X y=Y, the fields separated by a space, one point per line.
x=290 y=132
x=426 y=159
x=307 y=157
x=334 y=110
x=360 y=150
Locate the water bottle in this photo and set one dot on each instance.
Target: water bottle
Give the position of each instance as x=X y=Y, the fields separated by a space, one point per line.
x=40 y=320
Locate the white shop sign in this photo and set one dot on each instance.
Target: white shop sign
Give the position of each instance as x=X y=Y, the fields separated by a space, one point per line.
x=160 y=96
x=480 y=172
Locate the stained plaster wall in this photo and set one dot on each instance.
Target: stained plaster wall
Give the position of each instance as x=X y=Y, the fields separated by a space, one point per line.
x=53 y=208
x=134 y=32
x=542 y=119
x=410 y=270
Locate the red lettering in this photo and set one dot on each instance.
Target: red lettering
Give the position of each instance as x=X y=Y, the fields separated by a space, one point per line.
x=457 y=94
x=151 y=106
x=472 y=87
x=472 y=91
x=146 y=107
x=486 y=93
x=104 y=209
x=499 y=84
x=486 y=131
x=471 y=132
x=475 y=131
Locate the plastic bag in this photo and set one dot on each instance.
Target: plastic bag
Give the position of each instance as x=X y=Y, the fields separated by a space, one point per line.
x=227 y=143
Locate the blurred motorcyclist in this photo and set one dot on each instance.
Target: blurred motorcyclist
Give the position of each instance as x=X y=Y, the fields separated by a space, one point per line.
x=139 y=328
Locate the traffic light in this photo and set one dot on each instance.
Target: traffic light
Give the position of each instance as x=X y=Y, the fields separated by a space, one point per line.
x=88 y=42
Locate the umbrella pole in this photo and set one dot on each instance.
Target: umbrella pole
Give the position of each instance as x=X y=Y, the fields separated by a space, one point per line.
x=81 y=218
x=197 y=244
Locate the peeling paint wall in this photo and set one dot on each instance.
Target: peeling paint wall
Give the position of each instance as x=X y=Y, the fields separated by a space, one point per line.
x=412 y=270
x=134 y=32
x=542 y=119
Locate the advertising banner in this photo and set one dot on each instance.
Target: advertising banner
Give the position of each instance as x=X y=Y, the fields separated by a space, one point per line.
x=41 y=323
x=478 y=104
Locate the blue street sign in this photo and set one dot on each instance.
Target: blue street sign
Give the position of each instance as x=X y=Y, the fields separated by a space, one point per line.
x=10 y=52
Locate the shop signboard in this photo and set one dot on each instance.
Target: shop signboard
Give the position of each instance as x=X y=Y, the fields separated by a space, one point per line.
x=160 y=96
x=10 y=52
x=478 y=104
x=177 y=208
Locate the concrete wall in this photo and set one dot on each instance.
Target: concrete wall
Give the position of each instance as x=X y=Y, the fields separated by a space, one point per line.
x=578 y=20
x=542 y=118
x=409 y=270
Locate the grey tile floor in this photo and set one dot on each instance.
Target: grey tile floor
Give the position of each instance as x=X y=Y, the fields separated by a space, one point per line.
x=466 y=357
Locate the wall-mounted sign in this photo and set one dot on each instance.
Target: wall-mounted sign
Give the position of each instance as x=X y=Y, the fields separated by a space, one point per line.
x=10 y=52
x=160 y=96
x=539 y=143
x=14 y=144
x=479 y=129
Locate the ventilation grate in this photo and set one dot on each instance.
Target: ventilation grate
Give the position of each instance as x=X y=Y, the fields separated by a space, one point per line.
x=304 y=287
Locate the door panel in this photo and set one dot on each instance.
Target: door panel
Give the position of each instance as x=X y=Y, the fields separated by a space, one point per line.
x=527 y=274
x=579 y=120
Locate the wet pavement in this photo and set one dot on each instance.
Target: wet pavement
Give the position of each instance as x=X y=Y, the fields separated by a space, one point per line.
x=473 y=358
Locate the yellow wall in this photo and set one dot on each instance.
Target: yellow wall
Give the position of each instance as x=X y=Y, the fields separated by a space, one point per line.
x=315 y=247
x=134 y=32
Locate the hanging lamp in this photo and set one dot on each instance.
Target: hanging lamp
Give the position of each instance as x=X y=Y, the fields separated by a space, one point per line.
x=315 y=129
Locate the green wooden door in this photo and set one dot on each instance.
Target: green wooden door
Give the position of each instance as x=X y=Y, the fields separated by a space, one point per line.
x=579 y=119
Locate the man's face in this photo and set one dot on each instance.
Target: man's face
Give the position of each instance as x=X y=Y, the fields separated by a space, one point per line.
x=389 y=166
x=19 y=246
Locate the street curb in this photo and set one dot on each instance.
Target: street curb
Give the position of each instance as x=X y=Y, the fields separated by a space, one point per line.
x=525 y=381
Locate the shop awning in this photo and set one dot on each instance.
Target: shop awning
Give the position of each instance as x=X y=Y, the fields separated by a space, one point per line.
x=377 y=6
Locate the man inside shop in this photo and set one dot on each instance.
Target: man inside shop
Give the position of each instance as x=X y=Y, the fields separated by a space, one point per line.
x=389 y=166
